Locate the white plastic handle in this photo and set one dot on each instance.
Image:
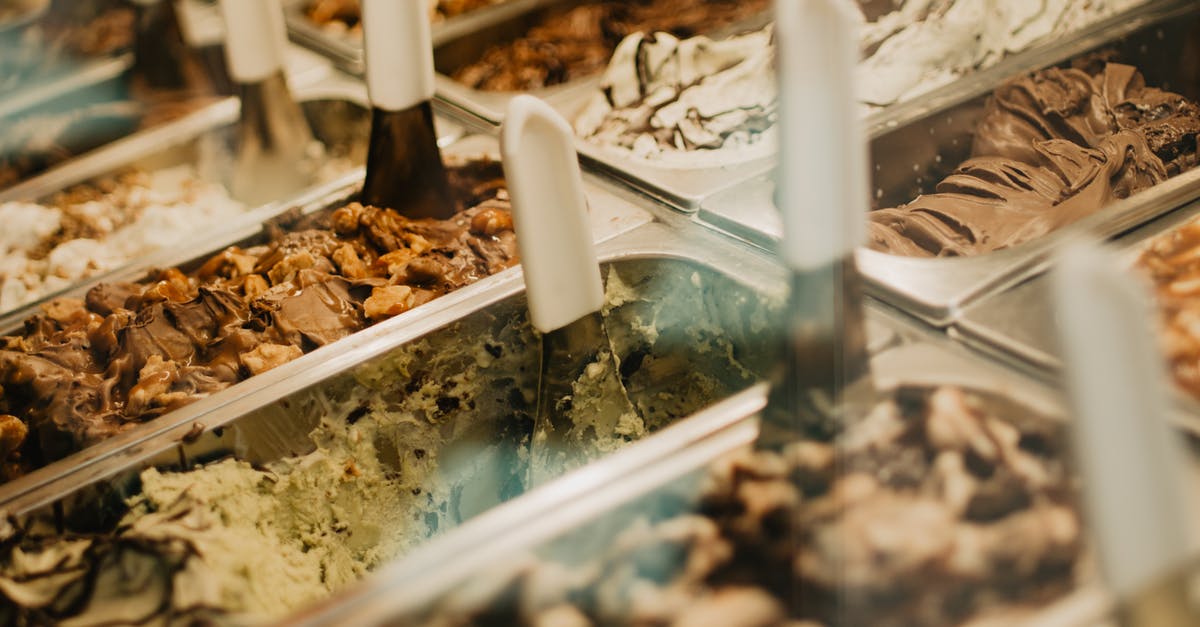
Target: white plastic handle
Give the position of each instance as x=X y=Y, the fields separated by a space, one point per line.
x=554 y=236
x=251 y=39
x=822 y=177
x=399 y=53
x=1132 y=463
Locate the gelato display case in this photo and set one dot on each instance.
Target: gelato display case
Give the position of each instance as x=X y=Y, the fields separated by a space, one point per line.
x=293 y=281
x=398 y=436
x=320 y=406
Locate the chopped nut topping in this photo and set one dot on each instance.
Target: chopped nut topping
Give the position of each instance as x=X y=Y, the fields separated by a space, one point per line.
x=349 y=262
x=491 y=221
x=267 y=356
x=389 y=301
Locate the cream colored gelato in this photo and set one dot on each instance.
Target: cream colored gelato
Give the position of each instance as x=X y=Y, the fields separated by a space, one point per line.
x=93 y=228
x=925 y=44
x=686 y=101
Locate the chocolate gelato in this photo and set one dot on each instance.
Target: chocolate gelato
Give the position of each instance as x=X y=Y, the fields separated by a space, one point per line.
x=1052 y=147
x=398 y=450
x=87 y=369
x=578 y=42
x=937 y=508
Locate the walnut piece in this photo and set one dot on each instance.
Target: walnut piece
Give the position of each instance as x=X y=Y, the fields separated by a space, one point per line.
x=12 y=435
x=154 y=380
x=254 y=286
x=347 y=219
x=388 y=301
x=286 y=270
x=267 y=356
x=349 y=263
x=491 y=221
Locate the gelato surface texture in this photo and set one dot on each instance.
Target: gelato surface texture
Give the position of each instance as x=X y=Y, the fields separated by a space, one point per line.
x=87 y=369
x=92 y=228
x=935 y=508
x=1052 y=148
x=385 y=456
x=578 y=42
x=673 y=100
x=919 y=45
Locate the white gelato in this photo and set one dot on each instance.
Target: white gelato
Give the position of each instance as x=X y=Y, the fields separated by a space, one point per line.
x=925 y=44
x=98 y=227
x=684 y=102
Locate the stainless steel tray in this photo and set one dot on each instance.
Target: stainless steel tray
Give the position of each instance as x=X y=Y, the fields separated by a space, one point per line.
x=346 y=52
x=590 y=500
x=473 y=36
x=203 y=140
x=39 y=56
x=22 y=13
x=336 y=108
x=68 y=110
x=612 y=212
x=910 y=156
x=687 y=188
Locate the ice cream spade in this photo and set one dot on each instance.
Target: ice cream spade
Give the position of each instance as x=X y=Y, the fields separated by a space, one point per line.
x=563 y=286
x=1133 y=466
x=822 y=195
x=159 y=50
x=404 y=166
x=273 y=139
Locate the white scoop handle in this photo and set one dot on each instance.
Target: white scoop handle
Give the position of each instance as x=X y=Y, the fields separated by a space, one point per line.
x=399 y=53
x=1132 y=463
x=252 y=48
x=822 y=179
x=554 y=236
